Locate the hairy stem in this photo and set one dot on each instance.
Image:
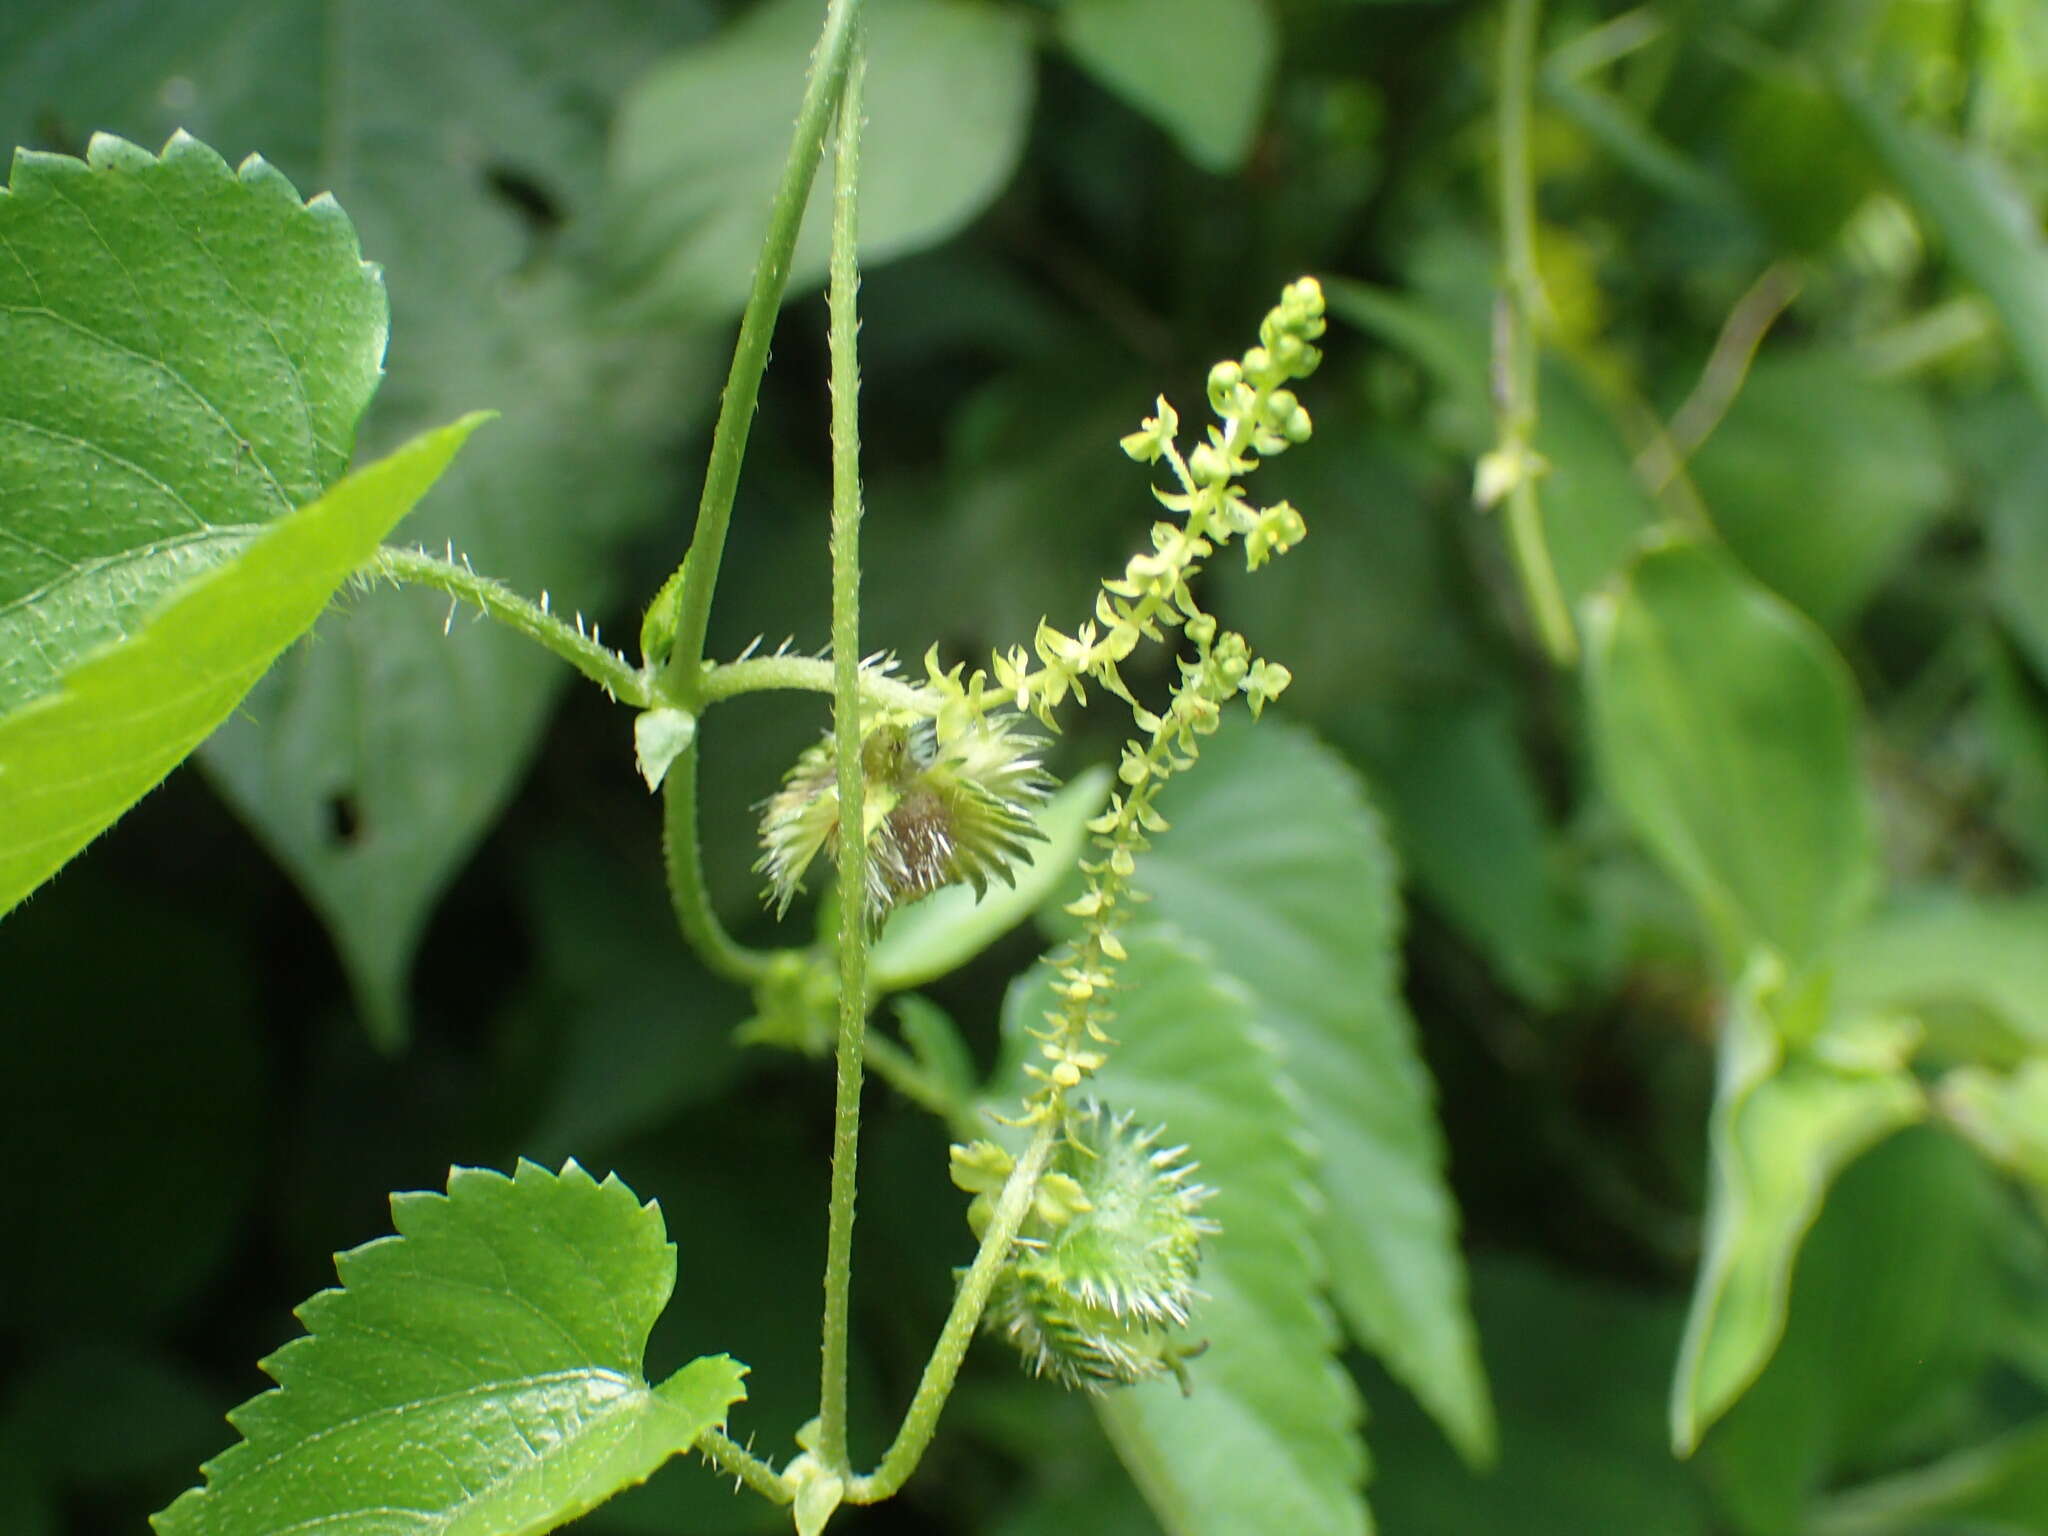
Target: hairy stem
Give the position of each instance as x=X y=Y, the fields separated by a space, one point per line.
x=686 y=889
x=805 y=674
x=736 y=1460
x=896 y=1067
x=750 y=355
x=603 y=666
x=1517 y=360
x=846 y=730
x=936 y=1385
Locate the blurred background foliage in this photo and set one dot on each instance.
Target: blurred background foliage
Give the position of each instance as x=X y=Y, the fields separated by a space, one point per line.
x=410 y=911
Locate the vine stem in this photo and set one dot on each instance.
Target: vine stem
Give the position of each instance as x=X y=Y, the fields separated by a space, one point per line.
x=846 y=731
x=682 y=671
x=603 y=666
x=750 y=355
x=735 y=1460
x=940 y=1371
x=806 y=674
x=1517 y=360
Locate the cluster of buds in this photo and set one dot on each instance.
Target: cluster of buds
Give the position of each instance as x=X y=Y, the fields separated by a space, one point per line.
x=1098 y=1289
x=937 y=813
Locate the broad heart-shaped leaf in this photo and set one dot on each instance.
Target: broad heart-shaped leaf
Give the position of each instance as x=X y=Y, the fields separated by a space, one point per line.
x=943 y=932
x=456 y=133
x=1786 y=1119
x=1725 y=727
x=1267 y=1439
x=188 y=348
x=479 y=1374
x=702 y=138
x=1982 y=216
x=1276 y=863
x=1198 y=68
x=74 y=760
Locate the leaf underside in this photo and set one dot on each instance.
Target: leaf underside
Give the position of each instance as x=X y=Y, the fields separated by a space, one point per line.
x=479 y=1374
x=1268 y=1439
x=1276 y=863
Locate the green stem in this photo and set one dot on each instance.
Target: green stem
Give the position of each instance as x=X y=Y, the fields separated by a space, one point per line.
x=804 y=674
x=686 y=888
x=1517 y=383
x=750 y=355
x=605 y=667
x=896 y=1067
x=846 y=729
x=736 y=1460
x=936 y=1385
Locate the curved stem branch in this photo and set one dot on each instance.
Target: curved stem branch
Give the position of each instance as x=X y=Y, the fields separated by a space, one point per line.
x=603 y=666
x=750 y=355
x=846 y=726
x=736 y=1460
x=686 y=889
x=730 y=679
x=1517 y=356
x=936 y=1385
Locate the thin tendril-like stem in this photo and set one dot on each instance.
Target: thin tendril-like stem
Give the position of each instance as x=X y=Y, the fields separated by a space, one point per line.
x=936 y=1385
x=688 y=895
x=603 y=666
x=846 y=730
x=750 y=355
x=1517 y=381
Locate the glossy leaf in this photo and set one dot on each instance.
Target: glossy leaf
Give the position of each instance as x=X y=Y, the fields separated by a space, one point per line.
x=1267 y=1439
x=188 y=349
x=1200 y=69
x=74 y=760
x=943 y=932
x=702 y=137
x=504 y=1327
x=463 y=137
x=1725 y=727
x=1867 y=1374
x=1786 y=1119
x=1276 y=861
x=1982 y=217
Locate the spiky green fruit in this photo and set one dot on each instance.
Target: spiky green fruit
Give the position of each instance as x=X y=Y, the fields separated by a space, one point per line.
x=1099 y=1289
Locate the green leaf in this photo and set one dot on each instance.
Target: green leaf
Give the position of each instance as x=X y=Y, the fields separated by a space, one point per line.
x=2006 y=1116
x=943 y=932
x=1821 y=477
x=1725 y=727
x=1786 y=1119
x=456 y=133
x=2000 y=1489
x=1870 y=1374
x=703 y=135
x=1278 y=865
x=1581 y=1367
x=660 y=736
x=1200 y=69
x=73 y=761
x=1974 y=968
x=188 y=348
x=1973 y=203
x=477 y=1375
x=1477 y=844
x=1267 y=1439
